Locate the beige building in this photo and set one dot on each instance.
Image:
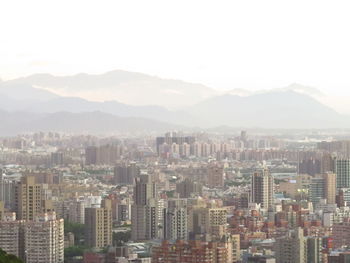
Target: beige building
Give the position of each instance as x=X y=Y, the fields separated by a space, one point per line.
x=232 y=243
x=29 y=199
x=44 y=239
x=296 y=188
x=262 y=188
x=211 y=221
x=11 y=238
x=330 y=187
x=38 y=241
x=98 y=225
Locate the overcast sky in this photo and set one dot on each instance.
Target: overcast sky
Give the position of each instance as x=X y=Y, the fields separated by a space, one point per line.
x=223 y=44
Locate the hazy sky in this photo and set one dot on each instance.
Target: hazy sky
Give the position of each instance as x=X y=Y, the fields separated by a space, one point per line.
x=223 y=44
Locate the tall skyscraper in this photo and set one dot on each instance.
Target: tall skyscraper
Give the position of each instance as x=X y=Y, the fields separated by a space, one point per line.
x=44 y=239
x=2 y=210
x=327 y=163
x=314 y=250
x=104 y=154
x=206 y=220
x=262 y=188
x=40 y=240
x=330 y=186
x=91 y=155
x=11 y=237
x=6 y=190
x=342 y=170
x=29 y=199
x=98 y=225
x=215 y=176
x=188 y=187
x=292 y=248
x=126 y=173
x=144 y=211
x=175 y=220
x=317 y=189
x=323 y=187
x=341 y=233
x=77 y=212
x=309 y=166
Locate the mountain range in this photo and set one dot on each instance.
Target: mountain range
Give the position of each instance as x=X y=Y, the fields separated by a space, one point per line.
x=121 y=101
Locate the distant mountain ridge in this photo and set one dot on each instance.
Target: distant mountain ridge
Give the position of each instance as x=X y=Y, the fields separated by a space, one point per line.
x=123 y=86
x=275 y=109
x=85 y=122
x=36 y=98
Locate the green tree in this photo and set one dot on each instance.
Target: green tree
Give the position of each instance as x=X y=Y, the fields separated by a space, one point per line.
x=77 y=229
x=75 y=251
x=121 y=237
x=7 y=258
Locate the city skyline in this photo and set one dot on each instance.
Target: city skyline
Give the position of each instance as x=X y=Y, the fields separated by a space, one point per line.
x=189 y=131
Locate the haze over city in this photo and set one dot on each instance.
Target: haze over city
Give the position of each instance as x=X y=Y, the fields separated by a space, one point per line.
x=180 y=131
x=227 y=45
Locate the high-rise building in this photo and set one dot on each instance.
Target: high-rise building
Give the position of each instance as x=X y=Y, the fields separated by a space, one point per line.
x=104 y=154
x=144 y=211
x=262 y=188
x=36 y=241
x=342 y=170
x=29 y=199
x=11 y=237
x=98 y=225
x=309 y=166
x=91 y=155
x=314 y=250
x=341 y=233
x=77 y=212
x=215 y=176
x=330 y=187
x=126 y=173
x=232 y=243
x=188 y=187
x=2 y=210
x=343 y=197
x=292 y=248
x=44 y=239
x=327 y=163
x=317 y=189
x=6 y=190
x=323 y=187
x=123 y=211
x=108 y=154
x=173 y=137
x=175 y=220
x=57 y=158
x=206 y=220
